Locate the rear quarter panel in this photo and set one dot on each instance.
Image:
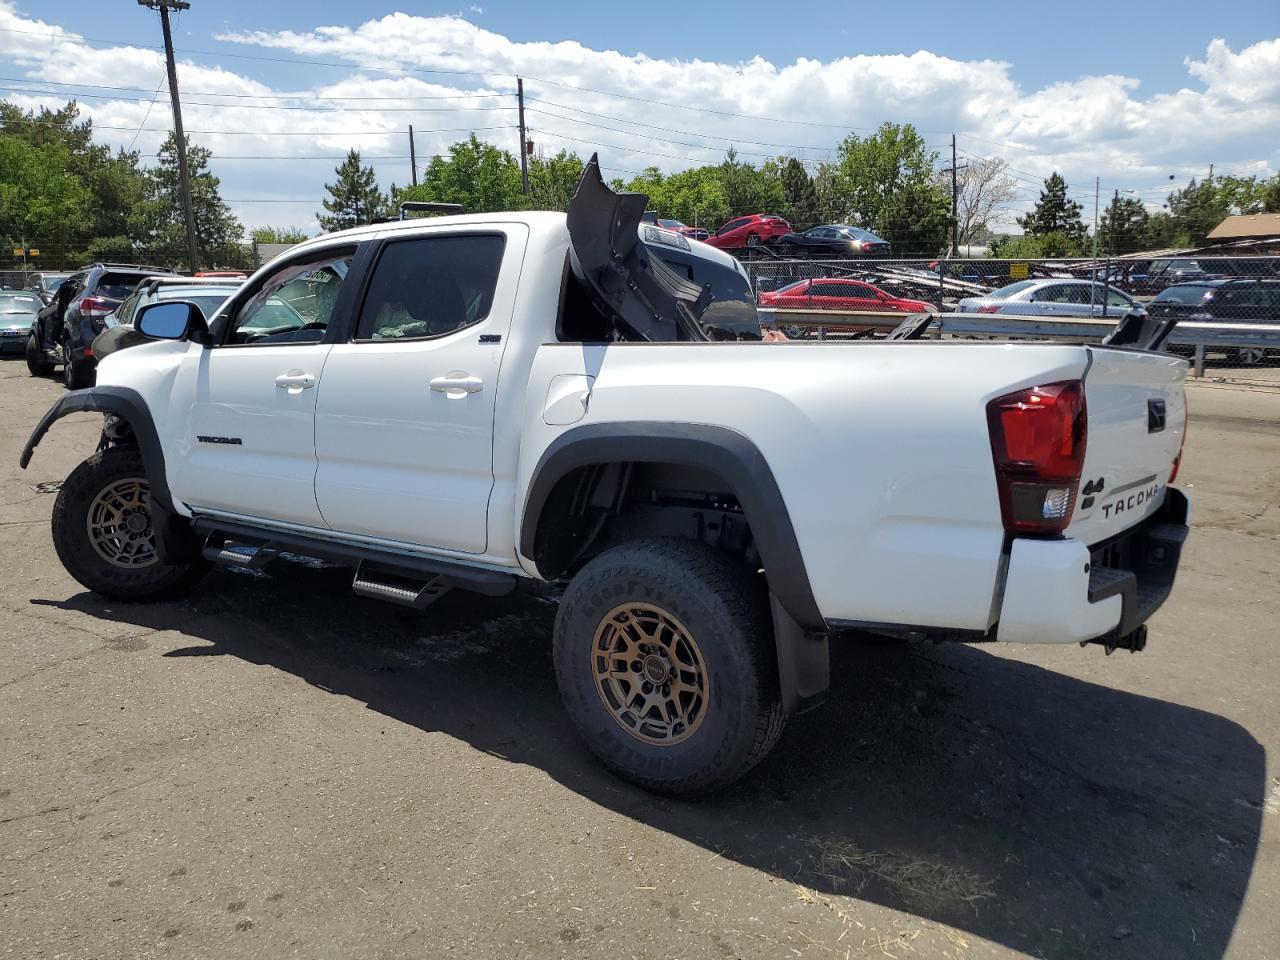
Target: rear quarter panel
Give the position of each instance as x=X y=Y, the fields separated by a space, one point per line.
x=881 y=452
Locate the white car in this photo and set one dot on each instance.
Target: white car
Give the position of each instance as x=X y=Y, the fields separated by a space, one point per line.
x=479 y=399
x=1053 y=298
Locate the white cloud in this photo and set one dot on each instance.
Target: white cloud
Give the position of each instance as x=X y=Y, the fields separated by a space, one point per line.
x=1089 y=126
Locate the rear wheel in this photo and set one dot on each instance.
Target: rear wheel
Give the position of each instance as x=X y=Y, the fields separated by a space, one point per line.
x=104 y=535
x=76 y=374
x=664 y=659
x=753 y=240
x=37 y=363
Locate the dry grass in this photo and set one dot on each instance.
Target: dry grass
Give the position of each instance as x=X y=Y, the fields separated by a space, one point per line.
x=919 y=882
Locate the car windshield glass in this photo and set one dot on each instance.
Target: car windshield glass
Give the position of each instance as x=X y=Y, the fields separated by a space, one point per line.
x=1182 y=295
x=275 y=314
x=863 y=234
x=670 y=224
x=791 y=287
x=1011 y=289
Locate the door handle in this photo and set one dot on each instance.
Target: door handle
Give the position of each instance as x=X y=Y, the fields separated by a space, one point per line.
x=295 y=381
x=457 y=385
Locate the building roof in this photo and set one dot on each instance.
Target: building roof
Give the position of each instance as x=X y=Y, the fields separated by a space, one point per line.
x=1247 y=226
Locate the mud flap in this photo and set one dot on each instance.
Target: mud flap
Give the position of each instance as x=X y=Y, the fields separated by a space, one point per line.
x=804 y=662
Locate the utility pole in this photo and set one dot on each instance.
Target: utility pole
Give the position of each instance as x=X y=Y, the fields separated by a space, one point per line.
x=164 y=6
x=524 y=140
x=1210 y=180
x=954 y=170
x=955 y=203
x=1093 y=285
x=413 y=158
x=1111 y=247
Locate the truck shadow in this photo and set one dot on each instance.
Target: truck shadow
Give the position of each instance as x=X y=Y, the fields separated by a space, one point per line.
x=1051 y=815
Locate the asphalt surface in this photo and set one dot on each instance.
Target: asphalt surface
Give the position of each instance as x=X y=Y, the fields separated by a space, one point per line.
x=275 y=768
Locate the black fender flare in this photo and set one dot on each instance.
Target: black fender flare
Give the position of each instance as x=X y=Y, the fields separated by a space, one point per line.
x=125 y=403
x=725 y=452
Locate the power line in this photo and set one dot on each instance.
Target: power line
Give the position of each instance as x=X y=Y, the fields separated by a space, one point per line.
x=250 y=96
x=284 y=133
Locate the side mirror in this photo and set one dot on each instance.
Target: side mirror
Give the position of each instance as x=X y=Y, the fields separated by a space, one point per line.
x=172 y=320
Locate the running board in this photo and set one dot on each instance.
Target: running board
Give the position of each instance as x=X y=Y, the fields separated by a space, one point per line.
x=417 y=593
x=378 y=572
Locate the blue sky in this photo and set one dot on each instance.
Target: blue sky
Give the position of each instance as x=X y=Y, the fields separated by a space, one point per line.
x=1132 y=93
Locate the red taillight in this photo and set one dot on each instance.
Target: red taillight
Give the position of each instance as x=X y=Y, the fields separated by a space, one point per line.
x=1182 y=442
x=96 y=307
x=990 y=308
x=1038 y=441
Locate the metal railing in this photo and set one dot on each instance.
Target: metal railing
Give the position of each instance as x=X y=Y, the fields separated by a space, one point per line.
x=1229 y=345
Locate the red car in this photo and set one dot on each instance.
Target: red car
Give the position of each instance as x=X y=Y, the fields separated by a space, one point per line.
x=749 y=231
x=840 y=293
x=694 y=233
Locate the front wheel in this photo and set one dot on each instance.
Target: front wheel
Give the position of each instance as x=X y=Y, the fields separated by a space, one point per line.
x=665 y=663
x=37 y=363
x=104 y=535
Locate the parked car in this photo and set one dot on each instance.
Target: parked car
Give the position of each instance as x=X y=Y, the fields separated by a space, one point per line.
x=18 y=311
x=222 y=274
x=841 y=293
x=64 y=330
x=1222 y=301
x=693 y=233
x=1143 y=278
x=834 y=240
x=45 y=284
x=557 y=415
x=1052 y=298
x=752 y=231
x=119 y=331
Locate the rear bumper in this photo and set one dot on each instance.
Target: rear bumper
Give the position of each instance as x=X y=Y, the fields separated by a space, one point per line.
x=1062 y=591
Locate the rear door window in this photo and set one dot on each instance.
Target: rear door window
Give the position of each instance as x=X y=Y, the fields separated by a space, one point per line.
x=431 y=286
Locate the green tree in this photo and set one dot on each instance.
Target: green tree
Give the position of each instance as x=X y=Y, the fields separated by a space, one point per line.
x=1124 y=226
x=748 y=189
x=354 y=198
x=1032 y=246
x=553 y=180
x=801 y=196
x=475 y=174
x=40 y=199
x=1271 y=195
x=277 y=235
x=885 y=183
x=695 y=195
x=115 y=184
x=160 y=221
x=1054 y=212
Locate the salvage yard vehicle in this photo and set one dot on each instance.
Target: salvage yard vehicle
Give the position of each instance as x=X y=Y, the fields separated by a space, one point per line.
x=65 y=329
x=1053 y=298
x=482 y=399
x=18 y=311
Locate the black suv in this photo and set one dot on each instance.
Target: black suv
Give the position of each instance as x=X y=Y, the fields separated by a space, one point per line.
x=1222 y=301
x=65 y=328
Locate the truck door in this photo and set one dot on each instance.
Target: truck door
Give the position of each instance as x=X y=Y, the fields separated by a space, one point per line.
x=404 y=421
x=249 y=447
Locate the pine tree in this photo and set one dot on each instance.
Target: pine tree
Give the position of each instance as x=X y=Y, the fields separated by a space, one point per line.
x=356 y=198
x=1054 y=212
x=1124 y=226
x=802 y=197
x=161 y=217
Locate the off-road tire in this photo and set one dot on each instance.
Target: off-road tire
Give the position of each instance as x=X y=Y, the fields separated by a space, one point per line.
x=37 y=364
x=725 y=612
x=76 y=376
x=76 y=550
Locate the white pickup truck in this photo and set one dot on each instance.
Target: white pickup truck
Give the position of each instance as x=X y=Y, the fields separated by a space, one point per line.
x=467 y=401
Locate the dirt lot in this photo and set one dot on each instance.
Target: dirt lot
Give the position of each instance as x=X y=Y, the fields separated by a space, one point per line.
x=278 y=769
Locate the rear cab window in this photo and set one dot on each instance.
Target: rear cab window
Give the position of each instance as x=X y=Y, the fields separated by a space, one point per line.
x=117 y=286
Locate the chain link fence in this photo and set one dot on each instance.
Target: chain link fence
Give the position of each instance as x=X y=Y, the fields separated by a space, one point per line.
x=844 y=298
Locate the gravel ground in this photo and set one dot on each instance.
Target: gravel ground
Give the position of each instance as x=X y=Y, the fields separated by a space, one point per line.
x=275 y=768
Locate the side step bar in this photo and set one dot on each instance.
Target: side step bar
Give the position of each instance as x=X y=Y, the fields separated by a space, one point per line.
x=382 y=574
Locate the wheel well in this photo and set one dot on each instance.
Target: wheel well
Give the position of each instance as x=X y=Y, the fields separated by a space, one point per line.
x=600 y=505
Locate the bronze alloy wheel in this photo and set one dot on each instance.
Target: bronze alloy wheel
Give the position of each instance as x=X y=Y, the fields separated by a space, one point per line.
x=650 y=674
x=119 y=524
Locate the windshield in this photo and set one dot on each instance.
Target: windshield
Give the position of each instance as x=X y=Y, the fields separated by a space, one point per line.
x=207 y=298
x=791 y=287
x=1182 y=294
x=670 y=224
x=863 y=234
x=1011 y=289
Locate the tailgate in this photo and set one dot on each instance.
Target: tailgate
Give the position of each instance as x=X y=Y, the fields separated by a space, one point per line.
x=1137 y=415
